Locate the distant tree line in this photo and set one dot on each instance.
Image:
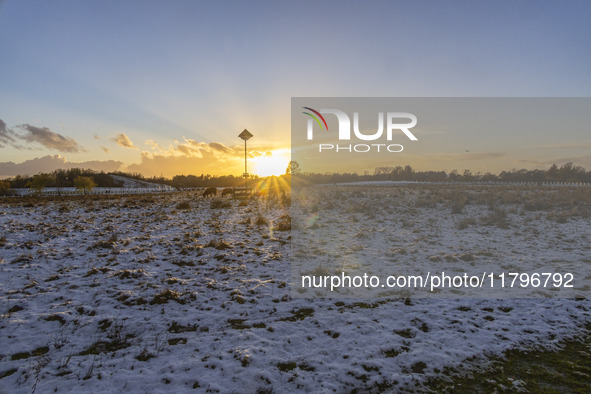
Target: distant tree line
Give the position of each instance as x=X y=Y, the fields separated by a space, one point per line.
x=184 y=181
x=62 y=178
x=67 y=178
x=566 y=173
x=87 y=179
x=187 y=181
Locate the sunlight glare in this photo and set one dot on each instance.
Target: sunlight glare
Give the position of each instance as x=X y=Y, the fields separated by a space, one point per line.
x=274 y=164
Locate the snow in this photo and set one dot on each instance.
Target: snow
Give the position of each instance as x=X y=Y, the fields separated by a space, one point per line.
x=136 y=183
x=92 y=276
x=375 y=183
x=126 y=186
x=408 y=230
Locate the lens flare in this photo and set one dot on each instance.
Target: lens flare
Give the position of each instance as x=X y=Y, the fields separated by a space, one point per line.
x=271 y=164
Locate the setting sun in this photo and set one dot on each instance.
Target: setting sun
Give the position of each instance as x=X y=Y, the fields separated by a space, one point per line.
x=274 y=163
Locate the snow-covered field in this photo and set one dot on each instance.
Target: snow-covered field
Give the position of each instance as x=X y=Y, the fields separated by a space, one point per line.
x=486 y=233
x=167 y=293
x=126 y=182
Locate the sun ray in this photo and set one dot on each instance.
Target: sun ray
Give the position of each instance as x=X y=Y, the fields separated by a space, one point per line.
x=274 y=163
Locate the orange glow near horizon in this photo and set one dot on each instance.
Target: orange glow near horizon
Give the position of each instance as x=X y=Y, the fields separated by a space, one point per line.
x=273 y=164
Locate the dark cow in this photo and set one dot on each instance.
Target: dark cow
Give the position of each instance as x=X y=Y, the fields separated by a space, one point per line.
x=210 y=191
x=229 y=191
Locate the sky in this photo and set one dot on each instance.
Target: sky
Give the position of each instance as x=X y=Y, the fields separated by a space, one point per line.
x=481 y=134
x=165 y=87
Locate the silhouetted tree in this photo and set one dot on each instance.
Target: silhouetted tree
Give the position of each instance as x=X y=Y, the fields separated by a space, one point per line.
x=293 y=168
x=40 y=182
x=4 y=188
x=84 y=183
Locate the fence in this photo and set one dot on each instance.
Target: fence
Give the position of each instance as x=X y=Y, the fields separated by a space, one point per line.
x=71 y=191
x=484 y=183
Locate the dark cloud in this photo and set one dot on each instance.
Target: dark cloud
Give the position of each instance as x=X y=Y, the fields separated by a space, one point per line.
x=188 y=151
x=195 y=157
x=124 y=141
x=7 y=136
x=51 y=163
x=192 y=148
x=49 y=139
x=169 y=165
x=42 y=135
x=220 y=147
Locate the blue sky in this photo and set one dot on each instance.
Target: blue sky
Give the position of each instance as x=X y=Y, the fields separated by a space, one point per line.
x=180 y=79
